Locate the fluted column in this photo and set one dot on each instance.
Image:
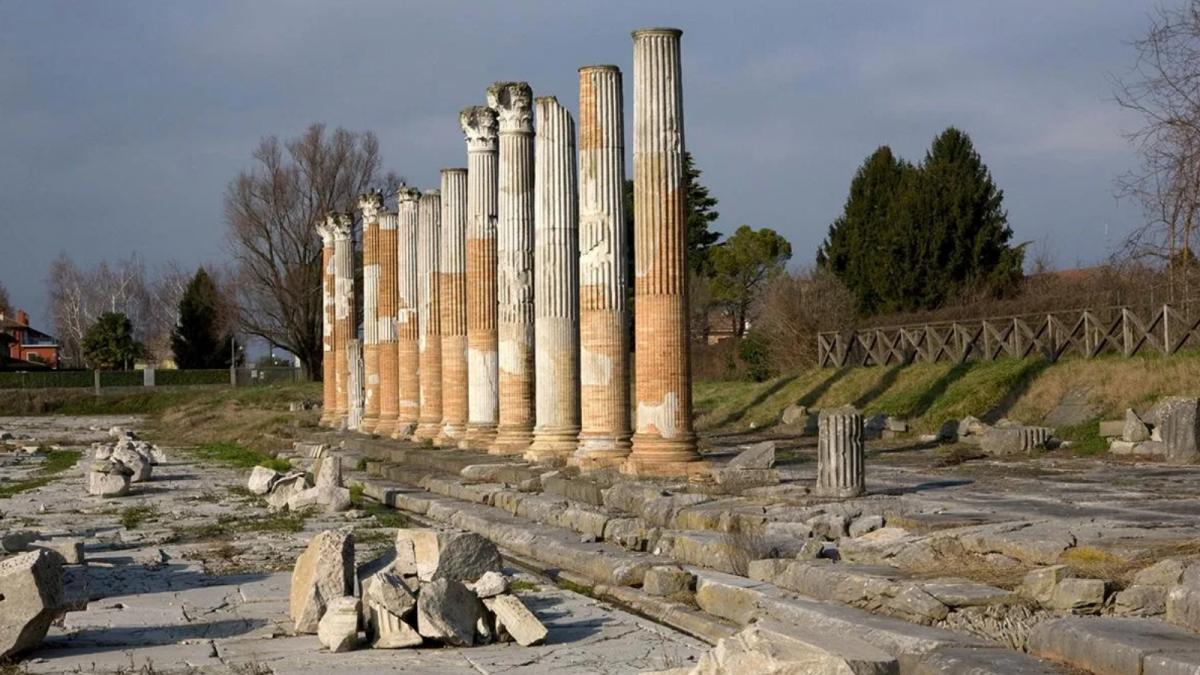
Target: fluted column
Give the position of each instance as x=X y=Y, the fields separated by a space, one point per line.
x=354 y=387
x=514 y=282
x=479 y=126
x=389 y=368
x=605 y=425
x=663 y=440
x=429 y=316
x=841 y=454
x=343 y=295
x=452 y=272
x=369 y=205
x=556 y=284
x=407 y=329
x=328 y=318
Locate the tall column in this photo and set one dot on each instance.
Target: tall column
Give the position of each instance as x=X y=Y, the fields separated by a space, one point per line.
x=389 y=366
x=663 y=441
x=429 y=316
x=328 y=318
x=452 y=269
x=556 y=284
x=407 y=330
x=369 y=205
x=479 y=126
x=514 y=281
x=603 y=272
x=342 y=225
x=841 y=454
x=354 y=385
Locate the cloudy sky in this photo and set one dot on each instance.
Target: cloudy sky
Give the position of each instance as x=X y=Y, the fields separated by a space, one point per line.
x=122 y=122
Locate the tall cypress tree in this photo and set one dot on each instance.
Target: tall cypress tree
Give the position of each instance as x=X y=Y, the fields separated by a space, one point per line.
x=198 y=341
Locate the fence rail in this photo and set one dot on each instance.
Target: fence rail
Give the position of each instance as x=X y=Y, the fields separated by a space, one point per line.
x=1089 y=333
x=106 y=379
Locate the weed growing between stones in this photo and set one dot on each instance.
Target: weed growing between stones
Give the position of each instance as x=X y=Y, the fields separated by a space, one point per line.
x=241 y=457
x=56 y=462
x=133 y=516
x=524 y=586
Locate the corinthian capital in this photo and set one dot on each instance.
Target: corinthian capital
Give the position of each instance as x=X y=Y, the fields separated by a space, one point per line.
x=406 y=194
x=340 y=224
x=479 y=126
x=513 y=102
x=370 y=203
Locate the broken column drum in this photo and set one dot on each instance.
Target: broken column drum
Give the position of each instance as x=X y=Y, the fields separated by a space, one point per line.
x=513 y=103
x=369 y=205
x=343 y=296
x=429 y=313
x=407 y=329
x=840 y=454
x=389 y=369
x=556 y=284
x=663 y=440
x=603 y=272
x=354 y=378
x=452 y=272
x=328 y=318
x=479 y=126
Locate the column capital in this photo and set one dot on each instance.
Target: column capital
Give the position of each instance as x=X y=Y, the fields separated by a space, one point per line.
x=325 y=229
x=513 y=102
x=479 y=123
x=406 y=193
x=657 y=32
x=370 y=203
x=341 y=225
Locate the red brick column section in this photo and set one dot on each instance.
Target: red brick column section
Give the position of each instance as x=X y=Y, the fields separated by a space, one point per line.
x=663 y=441
x=513 y=103
x=604 y=346
x=342 y=225
x=429 y=312
x=452 y=272
x=369 y=205
x=556 y=284
x=479 y=127
x=389 y=384
x=407 y=331
x=328 y=316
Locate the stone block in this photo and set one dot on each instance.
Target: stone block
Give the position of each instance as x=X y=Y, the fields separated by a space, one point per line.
x=1108 y=646
x=490 y=584
x=515 y=618
x=1003 y=441
x=448 y=611
x=1178 y=424
x=417 y=552
x=1141 y=601
x=1112 y=428
x=70 y=548
x=575 y=489
x=773 y=647
x=1171 y=664
x=756 y=456
x=666 y=581
x=1078 y=595
x=974 y=661
x=736 y=478
x=465 y=556
x=108 y=479
x=388 y=631
x=1134 y=430
x=31 y=589
x=865 y=524
x=386 y=590
x=1183 y=606
x=338 y=628
x=323 y=572
x=958 y=593
x=262 y=480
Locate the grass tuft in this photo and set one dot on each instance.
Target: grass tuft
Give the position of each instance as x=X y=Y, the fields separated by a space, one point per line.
x=56 y=462
x=241 y=457
x=133 y=516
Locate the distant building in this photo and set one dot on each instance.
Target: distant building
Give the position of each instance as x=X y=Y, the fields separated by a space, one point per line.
x=23 y=347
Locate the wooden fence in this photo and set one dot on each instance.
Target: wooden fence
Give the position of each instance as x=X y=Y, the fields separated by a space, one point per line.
x=1088 y=333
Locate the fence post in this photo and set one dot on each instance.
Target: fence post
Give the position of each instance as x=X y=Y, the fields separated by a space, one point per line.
x=148 y=376
x=1126 y=333
x=1166 y=330
x=96 y=381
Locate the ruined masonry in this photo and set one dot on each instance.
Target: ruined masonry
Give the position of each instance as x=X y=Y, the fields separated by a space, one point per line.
x=453 y=302
x=407 y=329
x=556 y=285
x=429 y=313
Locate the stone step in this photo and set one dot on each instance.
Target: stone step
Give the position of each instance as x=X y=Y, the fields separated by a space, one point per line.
x=1116 y=646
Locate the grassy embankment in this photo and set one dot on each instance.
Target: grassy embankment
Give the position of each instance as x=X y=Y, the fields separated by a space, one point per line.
x=928 y=394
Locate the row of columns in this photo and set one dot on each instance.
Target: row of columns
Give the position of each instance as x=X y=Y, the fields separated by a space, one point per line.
x=497 y=314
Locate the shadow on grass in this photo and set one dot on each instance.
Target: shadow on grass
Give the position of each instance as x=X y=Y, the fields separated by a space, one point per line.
x=1020 y=384
x=737 y=415
x=884 y=383
x=930 y=396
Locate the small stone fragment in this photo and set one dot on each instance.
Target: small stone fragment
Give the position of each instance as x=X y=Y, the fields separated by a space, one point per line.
x=391 y=632
x=492 y=583
x=262 y=480
x=666 y=581
x=338 y=627
x=1135 y=430
x=757 y=456
x=865 y=524
x=108 y=479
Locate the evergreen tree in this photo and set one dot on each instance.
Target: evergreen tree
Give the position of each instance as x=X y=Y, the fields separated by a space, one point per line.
x=109 y=343
x=742 y=266
x=197 y=340
x=699 y=214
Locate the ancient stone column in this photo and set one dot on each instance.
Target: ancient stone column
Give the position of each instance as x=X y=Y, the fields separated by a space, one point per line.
x=407 y=329
x=343 y=296
x=663 y=441
x=452 y=268
x=840 y=454
x=556 y=284
x=354 y=385
x=603 y=272
x=369 y=205
x=429 y=315
x=389 y=365
x=513 y=103
x=479 y=126
x=328 y=318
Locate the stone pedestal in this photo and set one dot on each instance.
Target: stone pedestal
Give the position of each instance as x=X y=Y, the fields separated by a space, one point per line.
x=369 y=206
x=408 y=360
x=840 y=454
x=452 y=267
x=389 y=366
x=341 y=224
x=429 y=316
x=479 y=126
x=663 y=440
x=328 y=318
x=603 y=272
x=512 y=102
x=556 y=285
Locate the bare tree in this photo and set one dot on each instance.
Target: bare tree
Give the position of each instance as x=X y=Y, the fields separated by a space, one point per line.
x=272 y=211
x=1164 y=88
x=797 y=306
x=5 y=303
x=78 y=296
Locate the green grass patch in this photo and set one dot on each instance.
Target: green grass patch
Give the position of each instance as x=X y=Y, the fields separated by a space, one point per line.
x=56 y=462
x=385 y=516
x=573 y=587
x=229 y=525
x=1085 y=438
x=133 y=516
x=241 y=457
x=522 y=586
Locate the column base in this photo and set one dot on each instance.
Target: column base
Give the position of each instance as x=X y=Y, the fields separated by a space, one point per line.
x=478 y=437
x=450 y=435
x=696 y=469
x=599 y=451
x=653 y=455
x=403 y=430
x=839 y=492
x=427 y=431
x=386 y=427
x=511 y=441
x=556 y=444
x=369 y=425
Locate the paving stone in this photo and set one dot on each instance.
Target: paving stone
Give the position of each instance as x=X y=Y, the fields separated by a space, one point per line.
x=1141 y=601
x=963 y=593
x=772 y=647
x=665 y=580
x=1078 y=595
x=1109 y=646
x=974 y=661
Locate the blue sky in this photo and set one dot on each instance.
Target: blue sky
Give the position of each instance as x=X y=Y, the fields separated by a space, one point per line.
x=122 y=122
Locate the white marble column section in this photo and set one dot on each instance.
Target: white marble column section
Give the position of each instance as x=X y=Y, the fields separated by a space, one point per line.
x=429 y=316
x=407 y=329
x=452 y=268
x=342 y=225
x=605 y=425
x=479 y=126
x=556 y=284
x=841 y=454
x=513 y=103
x=369 y=205
x=328 y=318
